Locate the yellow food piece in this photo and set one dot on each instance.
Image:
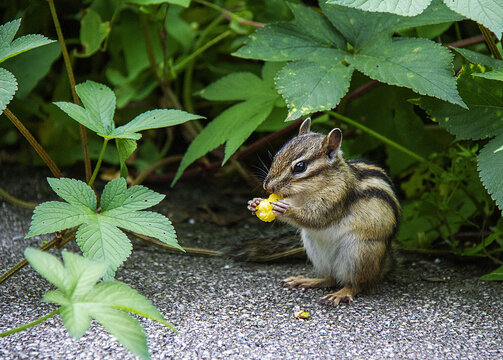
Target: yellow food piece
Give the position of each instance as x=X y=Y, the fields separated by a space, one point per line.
x=302 y=314
x=264 y=208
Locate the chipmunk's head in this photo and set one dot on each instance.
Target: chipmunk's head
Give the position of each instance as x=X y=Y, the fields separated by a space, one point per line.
x=305 y=162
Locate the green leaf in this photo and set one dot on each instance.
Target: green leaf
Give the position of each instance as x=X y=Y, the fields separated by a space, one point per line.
x=8 y=87
x=400 y=7
x=99 y=102
x=478 y=58
x=178 y=29
x=9 y=48
x=100 y=239
x=48 y=266
x=99 y=236
x=492 y=75
x=496 y=275
x=490 y=163
x=125 y=328
x=30 y=67
x=153 y=119
x=125 y=147
x=483 y=119
x=53 y=216
x=74 y=191
x=313 y=86
x=92 y=32
x=232 y=87
x=82 y=299
x=486 y=12
x=418 y=64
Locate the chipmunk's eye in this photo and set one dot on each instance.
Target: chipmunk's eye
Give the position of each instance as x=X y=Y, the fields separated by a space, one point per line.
x=299 y=167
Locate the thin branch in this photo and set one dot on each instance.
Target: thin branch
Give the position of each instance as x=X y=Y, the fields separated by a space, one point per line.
x=490 y=42
x=33 y=323
x=71 y=78
x=16 y=201
x=230 y=15
x=34 y=143
x=145 y=173
x=467 y=42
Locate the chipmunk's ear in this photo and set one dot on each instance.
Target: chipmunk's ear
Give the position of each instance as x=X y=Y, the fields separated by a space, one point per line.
x=304 y=127
x=332 y=142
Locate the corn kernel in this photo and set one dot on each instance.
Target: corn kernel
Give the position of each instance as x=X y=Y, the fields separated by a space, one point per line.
x=264 y=208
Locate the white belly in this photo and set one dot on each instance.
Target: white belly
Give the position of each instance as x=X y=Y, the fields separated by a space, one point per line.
x=333 y=251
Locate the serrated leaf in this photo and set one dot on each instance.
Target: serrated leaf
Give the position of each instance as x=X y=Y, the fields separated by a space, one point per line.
x=490 y=163
x=486 y=12
x=153 y=119
x=478 y=58
x=483 y=119
x=8 y=31
x=82 y=299
x=312 y=86
x=123 y=297
x=74 y=191
x=126 y=329
x=48 y=266
x=400 y=7
x=79 y=114
x=100 y=240
x=8 y=87
x=99 y=101
x=53 y=216
x=418 y=64
x=92 y=32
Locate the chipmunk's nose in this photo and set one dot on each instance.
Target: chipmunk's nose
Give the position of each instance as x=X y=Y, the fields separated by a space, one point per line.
x=267 y=186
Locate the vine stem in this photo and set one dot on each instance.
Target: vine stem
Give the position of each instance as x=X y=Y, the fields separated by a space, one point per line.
x=200 y=50
x=98 y=163
x=490 y=42
x=16 y=201
x=33 y=323
x=34 y=143
x=371 y=132
x=229 y=14
x=59 y=241
x=71 y=78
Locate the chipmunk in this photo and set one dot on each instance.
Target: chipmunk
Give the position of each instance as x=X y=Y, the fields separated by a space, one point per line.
x=347 y=211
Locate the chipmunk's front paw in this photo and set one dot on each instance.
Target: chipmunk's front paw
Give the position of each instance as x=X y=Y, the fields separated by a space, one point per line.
x=280 y=207
x=305 y=283
x=344 y=295
x=252 y=204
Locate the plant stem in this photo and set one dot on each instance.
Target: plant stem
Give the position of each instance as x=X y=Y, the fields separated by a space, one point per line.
x=145 y=173
x=229 y=14
x=71 y=78
x=34 y=143
x=98 y=163
x=16 y=201
x=377 y=135
x=490 y=42
x=178 y=67
x=29 y=325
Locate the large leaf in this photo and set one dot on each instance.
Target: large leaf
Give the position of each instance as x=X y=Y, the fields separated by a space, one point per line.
x=81 y=299
x=355 y=39
x=418 y=64
x=10 y=48
x=8 y=87
x=313 y=86
x=401 y=7
x=99 y=236
x=487 y=12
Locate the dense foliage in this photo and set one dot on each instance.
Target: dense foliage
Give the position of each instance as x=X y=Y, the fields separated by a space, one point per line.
x=414 y=85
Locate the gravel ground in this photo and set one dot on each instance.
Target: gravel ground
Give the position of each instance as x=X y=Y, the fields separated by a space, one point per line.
x=228 y=309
